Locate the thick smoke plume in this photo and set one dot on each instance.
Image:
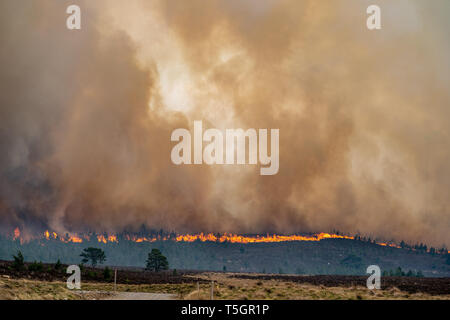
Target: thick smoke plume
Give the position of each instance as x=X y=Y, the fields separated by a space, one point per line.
x=86 y=116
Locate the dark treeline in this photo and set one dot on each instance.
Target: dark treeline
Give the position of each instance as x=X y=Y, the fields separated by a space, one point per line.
x=330 y=256
x=421 y=247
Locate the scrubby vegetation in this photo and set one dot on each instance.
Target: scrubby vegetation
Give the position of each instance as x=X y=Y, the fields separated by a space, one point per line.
x=18 y=261
x=400 y=273
x=330 y=256
x=230 y=286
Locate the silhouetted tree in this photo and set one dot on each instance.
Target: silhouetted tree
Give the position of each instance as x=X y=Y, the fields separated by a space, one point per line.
x=18 y=263
x=399 y=272
x=58 y=265
x=95 y=255
x=156 y=261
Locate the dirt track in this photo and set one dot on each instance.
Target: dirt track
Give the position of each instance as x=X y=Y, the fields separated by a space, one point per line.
x=120 y=295
x=140 y=296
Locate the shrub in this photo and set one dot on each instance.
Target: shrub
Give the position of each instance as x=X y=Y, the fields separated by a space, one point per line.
x=36 y=266
x=58 y=265
x=107 y=273
x=18 y=263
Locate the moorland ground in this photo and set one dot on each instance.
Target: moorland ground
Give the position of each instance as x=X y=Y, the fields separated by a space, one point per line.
x=49 y=283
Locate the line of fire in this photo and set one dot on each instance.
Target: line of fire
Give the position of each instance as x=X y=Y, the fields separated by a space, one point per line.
x=201 y=237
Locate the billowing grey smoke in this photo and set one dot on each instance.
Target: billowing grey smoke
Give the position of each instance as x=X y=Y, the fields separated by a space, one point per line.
x=86 y=116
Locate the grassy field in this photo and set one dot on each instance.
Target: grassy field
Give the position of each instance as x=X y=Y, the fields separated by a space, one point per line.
x=226 y=286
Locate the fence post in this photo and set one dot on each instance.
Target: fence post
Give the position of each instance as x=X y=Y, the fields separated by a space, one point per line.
x=115 y=280
x=212 y=290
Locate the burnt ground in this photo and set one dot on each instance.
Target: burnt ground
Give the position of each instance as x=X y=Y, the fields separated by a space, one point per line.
x=49 y=272
x=434 y=286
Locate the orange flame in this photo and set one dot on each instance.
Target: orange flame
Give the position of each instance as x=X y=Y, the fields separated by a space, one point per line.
x=16 y=233
x=112 y=239
x=233 y=238
x=203 y=237
x=71 y=238
x=384 y=244
x=75 y=239
x=209 y=237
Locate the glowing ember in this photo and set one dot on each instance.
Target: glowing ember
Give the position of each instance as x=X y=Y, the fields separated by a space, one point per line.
x=101 y=238
x=16 y=233
x=75 y=240
x=393 y=245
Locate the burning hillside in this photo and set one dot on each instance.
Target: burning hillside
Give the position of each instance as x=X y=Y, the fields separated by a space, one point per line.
x=321 y=253
x=85 y=135
x=201 y=237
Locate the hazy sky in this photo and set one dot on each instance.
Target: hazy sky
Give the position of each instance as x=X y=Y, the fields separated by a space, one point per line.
x=86 y=116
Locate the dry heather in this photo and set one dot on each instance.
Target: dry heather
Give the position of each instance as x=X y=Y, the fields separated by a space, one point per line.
x=227 y=287
x=23 y=289
x=14 y=289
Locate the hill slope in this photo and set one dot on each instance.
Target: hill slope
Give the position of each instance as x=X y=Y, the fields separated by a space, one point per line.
x=329 y=256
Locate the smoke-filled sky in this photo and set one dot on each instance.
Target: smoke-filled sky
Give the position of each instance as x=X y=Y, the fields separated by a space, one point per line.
x=86 y=116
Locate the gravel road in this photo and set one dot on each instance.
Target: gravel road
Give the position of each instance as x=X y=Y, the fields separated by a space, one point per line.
x=140 y=296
